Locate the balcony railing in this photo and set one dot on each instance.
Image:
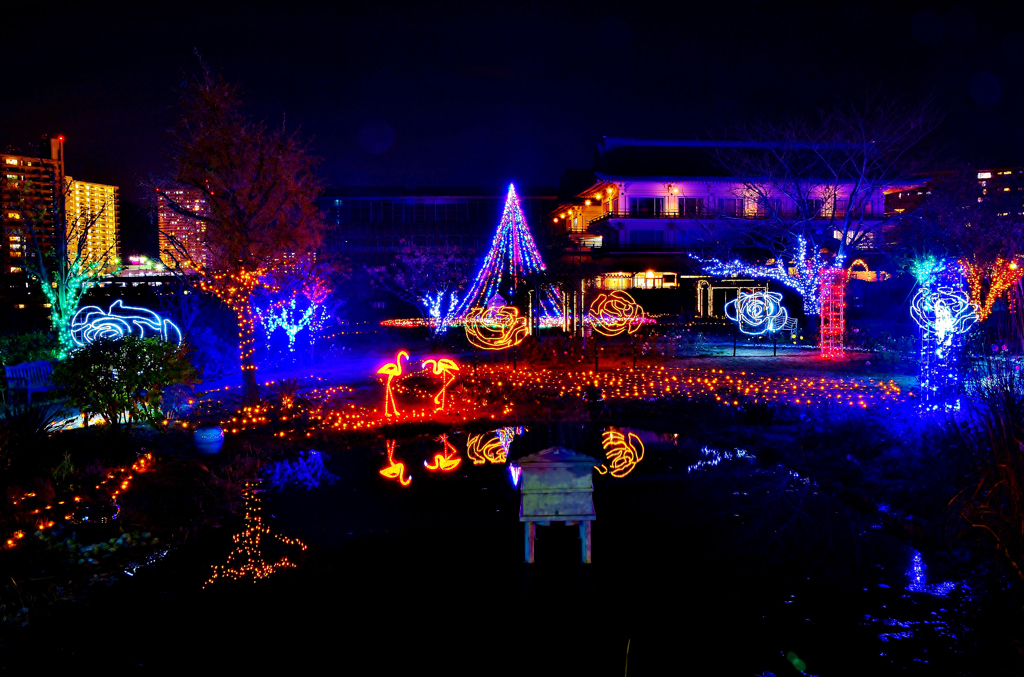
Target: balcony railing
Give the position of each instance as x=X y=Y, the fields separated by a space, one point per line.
x=712 y=215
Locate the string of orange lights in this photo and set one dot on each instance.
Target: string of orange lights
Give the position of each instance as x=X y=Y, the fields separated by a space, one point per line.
x=48 y=515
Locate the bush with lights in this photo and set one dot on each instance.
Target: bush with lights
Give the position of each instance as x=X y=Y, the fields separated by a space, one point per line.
x=123 y=380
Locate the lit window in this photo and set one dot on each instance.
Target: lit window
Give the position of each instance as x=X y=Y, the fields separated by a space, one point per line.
x=984 y=175
x=11 y=161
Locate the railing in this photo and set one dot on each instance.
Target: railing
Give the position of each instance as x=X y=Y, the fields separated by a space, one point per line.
x=625 y=248
x=712 y=215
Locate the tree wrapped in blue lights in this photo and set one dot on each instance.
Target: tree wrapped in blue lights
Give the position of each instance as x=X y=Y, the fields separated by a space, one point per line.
x=297 y=306
x=804 y=276
x=511 y=261
x=943 y=311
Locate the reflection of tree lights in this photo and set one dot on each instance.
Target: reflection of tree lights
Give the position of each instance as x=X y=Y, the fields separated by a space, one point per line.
x=447 y=461
x=495 y=328
x=445 y=368
x=623 y=453
x=614 y=313
x=757 y=312
x=395 y=470
x=246 y=559
x=91 y=323
x=391 y=370
x=919 y=582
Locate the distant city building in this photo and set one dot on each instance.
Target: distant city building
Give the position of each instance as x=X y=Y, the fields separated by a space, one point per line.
x=179 y=232
x=380 y=221
x=27 y=192
x=94 y=204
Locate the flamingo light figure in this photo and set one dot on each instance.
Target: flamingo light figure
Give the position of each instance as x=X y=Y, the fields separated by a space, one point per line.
x=447 y=461
x=395 y=470
x=445 y=368
x=391 y=370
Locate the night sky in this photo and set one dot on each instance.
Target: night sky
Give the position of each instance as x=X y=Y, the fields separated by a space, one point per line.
x=464 y=95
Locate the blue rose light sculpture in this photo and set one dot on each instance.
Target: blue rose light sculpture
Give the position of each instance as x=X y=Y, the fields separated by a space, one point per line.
x=944 y=312
x=757 y=312
x=92 y=322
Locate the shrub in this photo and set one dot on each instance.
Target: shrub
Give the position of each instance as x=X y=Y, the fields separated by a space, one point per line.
x=31 y=347
x=123 y=380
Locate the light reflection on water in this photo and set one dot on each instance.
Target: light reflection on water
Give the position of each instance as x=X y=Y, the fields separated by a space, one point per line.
x=906 y=616
x=918 y=580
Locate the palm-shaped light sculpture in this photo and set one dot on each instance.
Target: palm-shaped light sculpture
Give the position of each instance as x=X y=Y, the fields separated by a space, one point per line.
x=445 y=368
x=392 y=370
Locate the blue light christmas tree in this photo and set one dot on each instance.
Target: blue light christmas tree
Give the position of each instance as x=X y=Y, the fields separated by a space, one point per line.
x=512 y=259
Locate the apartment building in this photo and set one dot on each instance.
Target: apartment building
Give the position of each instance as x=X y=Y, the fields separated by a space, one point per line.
x=92 y=214
x=182 y=238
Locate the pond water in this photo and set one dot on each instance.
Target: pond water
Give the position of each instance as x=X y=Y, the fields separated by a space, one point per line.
x=702 y=557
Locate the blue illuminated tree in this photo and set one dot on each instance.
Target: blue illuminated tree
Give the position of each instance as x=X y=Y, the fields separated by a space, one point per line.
x=300 y=301
x=803 y=275
x=428 y=277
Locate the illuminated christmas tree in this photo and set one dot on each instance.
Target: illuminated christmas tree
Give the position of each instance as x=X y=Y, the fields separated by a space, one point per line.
x=512 y=259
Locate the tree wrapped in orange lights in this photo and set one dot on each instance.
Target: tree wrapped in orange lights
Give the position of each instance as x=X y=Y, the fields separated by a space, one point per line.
x=992 y=279
x=260 y=195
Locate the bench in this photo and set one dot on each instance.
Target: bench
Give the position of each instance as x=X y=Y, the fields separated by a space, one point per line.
x=30 y=377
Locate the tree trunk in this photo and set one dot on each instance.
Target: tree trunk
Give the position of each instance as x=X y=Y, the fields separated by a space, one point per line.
x=247 y=355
